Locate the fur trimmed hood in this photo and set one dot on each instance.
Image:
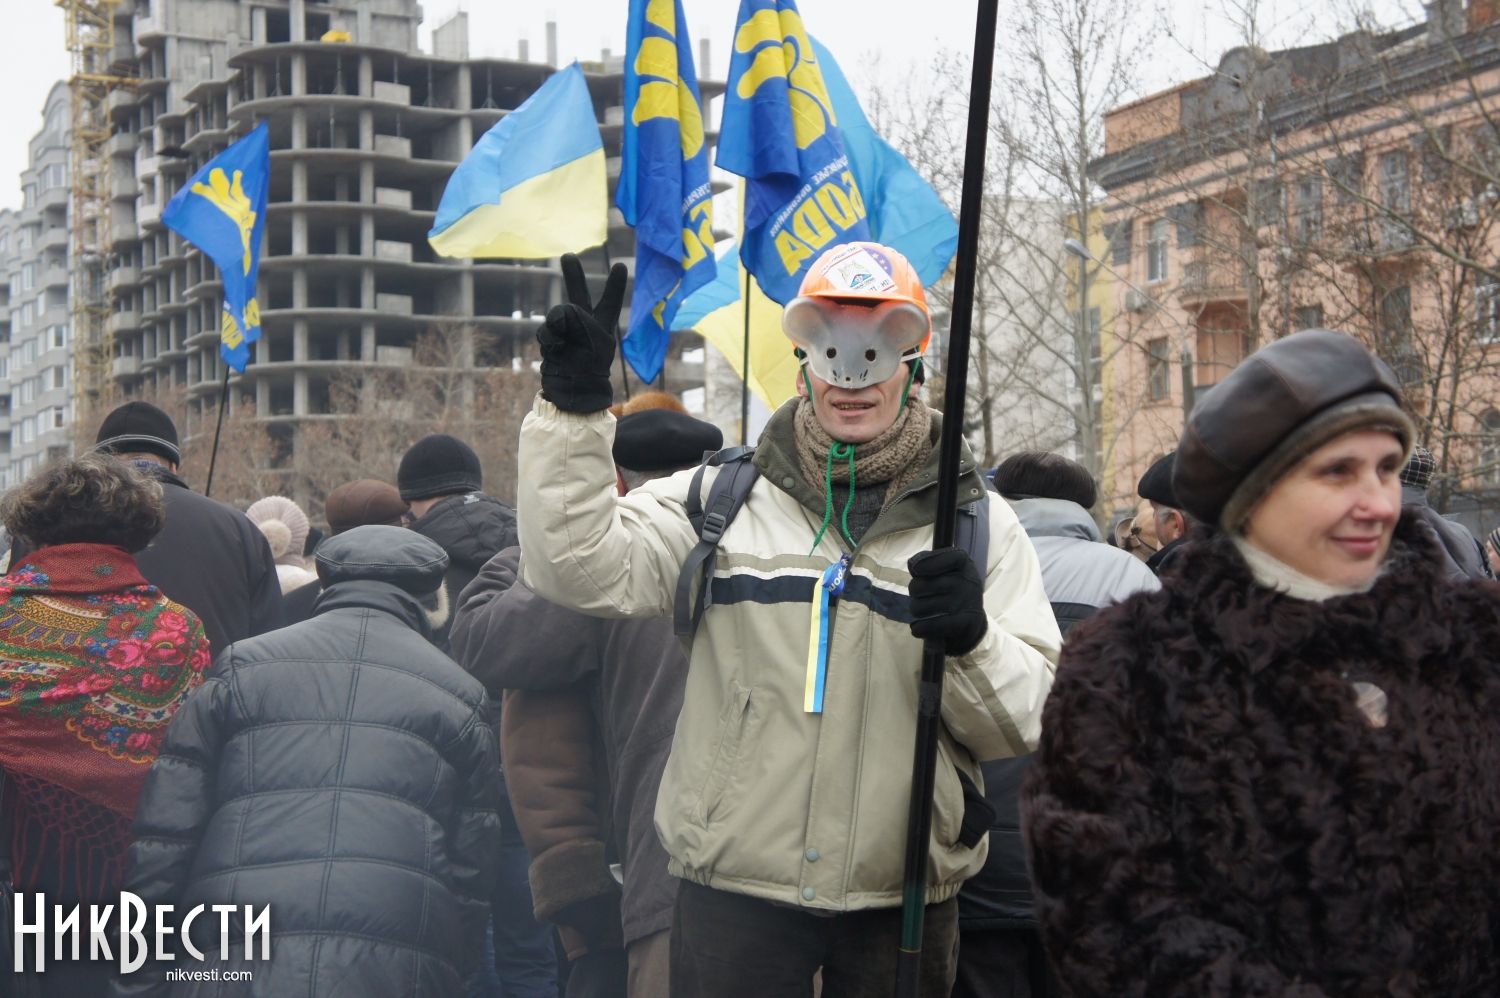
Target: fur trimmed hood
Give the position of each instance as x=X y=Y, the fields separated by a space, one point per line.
x=1212 y=814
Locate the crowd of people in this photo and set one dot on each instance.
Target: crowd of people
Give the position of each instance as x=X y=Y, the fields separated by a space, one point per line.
x=649 y=732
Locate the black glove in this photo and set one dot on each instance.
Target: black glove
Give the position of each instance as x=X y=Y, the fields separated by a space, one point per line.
x=578 y=341
x=947 y=599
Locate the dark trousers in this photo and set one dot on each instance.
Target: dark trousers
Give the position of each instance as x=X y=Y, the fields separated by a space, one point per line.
x=1001 y=963
x=732 y=946
x=522 y=962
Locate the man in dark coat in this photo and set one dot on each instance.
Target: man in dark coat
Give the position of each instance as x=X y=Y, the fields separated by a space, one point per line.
x=1462 y=555
x=209 y=556
x=590 y=707
x=440 y=476
x=342 y=771
x=1000 y=949
x=1170 y=520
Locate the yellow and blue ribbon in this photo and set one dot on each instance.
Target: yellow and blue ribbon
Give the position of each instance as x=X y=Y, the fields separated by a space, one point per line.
x=830 y=585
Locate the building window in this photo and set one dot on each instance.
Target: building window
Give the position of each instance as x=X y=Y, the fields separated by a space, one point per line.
x=1348 y=176
x=1487 y=311
x=1395 y=197
x=1307 y=210
x=58 y=336
x=58 y=377
x=28 y=316
x=1309 y=317
x=1488 y=457
x=1188 y=218
x=1158 y=369
x=1119 y=235
x=28 y=276
x=1156 y=250
x=1433 y=148
x=1395 y=344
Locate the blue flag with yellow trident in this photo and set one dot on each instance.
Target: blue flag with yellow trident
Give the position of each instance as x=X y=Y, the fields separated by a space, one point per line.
x=663 y=190
x=781 y=134
x=222 y=211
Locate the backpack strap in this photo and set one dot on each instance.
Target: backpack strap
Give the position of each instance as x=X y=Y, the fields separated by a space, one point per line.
x=736 y=477
x=972 y=532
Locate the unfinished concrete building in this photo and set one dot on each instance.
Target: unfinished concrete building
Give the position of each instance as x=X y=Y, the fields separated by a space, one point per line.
x=365 y=131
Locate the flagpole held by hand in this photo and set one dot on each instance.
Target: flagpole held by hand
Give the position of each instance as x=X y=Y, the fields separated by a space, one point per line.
x=956 y=374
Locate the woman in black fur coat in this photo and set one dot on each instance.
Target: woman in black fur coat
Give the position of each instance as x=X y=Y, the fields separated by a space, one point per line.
x=1280 y=775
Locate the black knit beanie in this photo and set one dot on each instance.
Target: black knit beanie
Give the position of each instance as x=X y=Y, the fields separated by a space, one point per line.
x=139 y=427
x=438 y=465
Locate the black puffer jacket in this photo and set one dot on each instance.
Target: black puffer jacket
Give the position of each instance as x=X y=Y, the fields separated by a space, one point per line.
x=472 y=528
x=342 y=771
x=1211 y=813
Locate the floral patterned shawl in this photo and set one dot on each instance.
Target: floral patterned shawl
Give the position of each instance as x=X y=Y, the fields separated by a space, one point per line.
x=94 y=661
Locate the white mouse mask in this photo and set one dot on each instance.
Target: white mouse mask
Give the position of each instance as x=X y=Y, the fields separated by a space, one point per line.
x=854 y=346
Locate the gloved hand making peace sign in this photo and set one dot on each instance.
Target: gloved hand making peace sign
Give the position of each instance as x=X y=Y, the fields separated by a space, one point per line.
x=578 y=341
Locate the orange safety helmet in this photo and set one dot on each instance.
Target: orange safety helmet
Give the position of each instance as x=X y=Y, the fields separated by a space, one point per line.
x=865 y=344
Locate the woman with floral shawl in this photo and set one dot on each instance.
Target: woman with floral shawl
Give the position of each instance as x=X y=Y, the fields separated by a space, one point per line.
x=94 y=661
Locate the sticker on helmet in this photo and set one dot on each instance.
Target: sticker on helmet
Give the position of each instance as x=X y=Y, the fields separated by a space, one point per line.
x=860 y=272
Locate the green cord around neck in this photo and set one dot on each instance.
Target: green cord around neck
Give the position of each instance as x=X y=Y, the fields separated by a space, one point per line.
x=840 y=451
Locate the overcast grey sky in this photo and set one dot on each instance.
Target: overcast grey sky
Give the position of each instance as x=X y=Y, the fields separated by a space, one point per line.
x=33 y=55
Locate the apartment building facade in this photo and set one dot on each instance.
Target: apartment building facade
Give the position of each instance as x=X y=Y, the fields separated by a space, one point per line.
x=35 y=365
x=1350 y=185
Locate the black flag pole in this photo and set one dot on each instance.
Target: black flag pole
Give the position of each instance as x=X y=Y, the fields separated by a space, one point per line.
x=213 y=459
x=745 y=371
x=956 y=376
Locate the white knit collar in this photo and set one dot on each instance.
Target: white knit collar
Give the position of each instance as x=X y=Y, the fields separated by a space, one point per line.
x=1275 y=574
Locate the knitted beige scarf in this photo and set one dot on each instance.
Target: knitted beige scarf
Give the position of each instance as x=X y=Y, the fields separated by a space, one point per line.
x=894 y=457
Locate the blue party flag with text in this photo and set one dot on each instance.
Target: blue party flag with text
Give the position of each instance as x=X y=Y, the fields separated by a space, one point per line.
x=664 y=189
x=780 y=132
x=904 y=211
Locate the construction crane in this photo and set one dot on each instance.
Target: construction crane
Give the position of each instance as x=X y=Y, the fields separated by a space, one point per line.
x=91 y=42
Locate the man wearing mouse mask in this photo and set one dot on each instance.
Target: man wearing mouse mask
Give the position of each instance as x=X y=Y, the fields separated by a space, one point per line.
x=783 y=804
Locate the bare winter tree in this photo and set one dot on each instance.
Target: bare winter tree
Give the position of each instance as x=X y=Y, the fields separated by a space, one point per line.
x=382 y=410
x=1040 y=360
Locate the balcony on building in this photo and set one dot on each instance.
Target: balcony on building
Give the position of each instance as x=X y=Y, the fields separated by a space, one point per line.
x=54 y=239
x=123 y=320
x=1210 y=274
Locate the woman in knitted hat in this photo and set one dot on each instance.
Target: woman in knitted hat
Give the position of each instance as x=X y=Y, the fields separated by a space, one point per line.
x=1280 y=775
x=285 y=526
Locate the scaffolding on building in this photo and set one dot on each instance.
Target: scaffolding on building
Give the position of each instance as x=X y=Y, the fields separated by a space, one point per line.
x=91 y=43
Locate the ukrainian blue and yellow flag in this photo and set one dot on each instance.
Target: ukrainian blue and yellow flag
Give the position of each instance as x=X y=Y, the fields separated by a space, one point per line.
x=533 y=186
x=780 y=133
x=222 y=211
x=664 y=190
